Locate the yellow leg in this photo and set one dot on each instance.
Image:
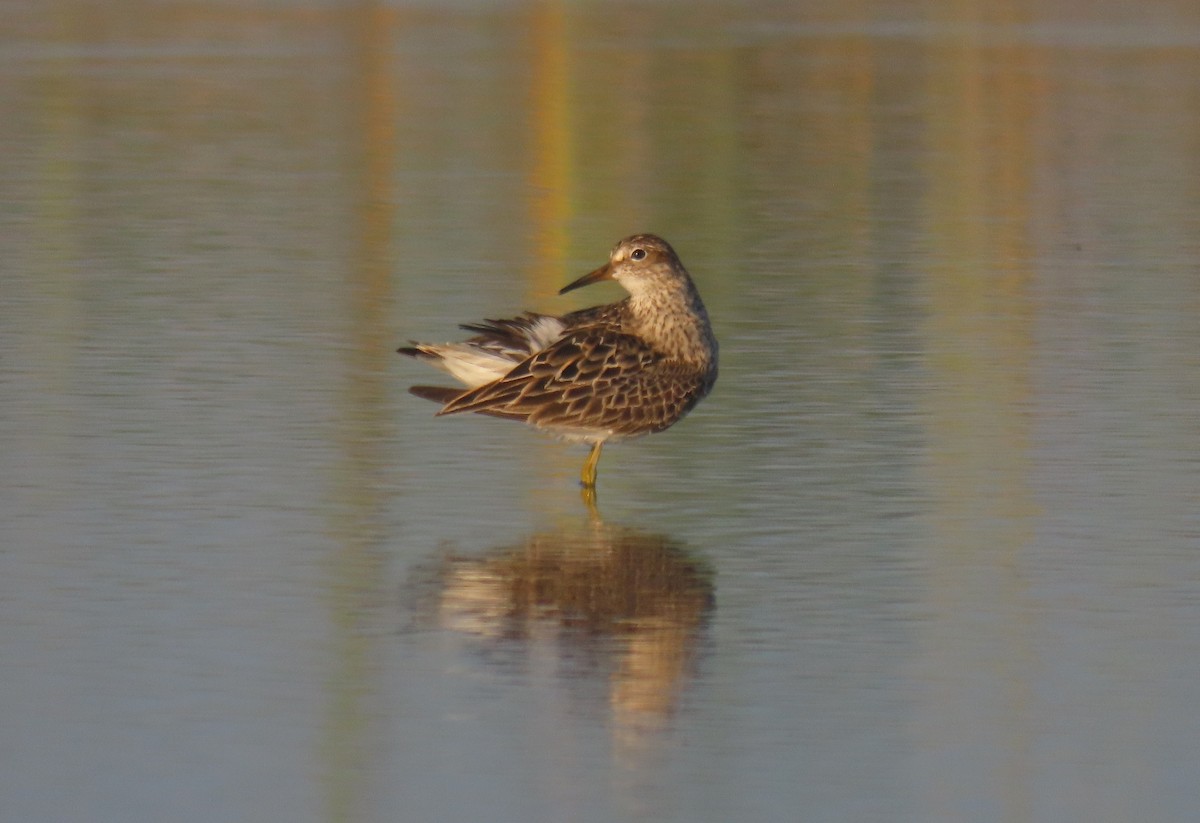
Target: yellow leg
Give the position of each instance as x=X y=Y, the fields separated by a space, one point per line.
x=588 y=495
x=588 y=477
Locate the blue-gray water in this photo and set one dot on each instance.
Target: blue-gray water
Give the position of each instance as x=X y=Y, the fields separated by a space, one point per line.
x=930 y=551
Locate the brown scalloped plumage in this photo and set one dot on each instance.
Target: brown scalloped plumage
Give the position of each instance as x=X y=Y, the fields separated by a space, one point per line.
x=606 y=373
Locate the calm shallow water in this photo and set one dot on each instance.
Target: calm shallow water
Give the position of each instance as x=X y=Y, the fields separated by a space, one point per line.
x=931 y=550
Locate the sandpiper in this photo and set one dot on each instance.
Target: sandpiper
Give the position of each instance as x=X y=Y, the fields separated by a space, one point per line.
x=605 y=373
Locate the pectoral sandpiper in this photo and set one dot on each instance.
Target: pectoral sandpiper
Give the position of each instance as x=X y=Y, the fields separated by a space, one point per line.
x=605 y=373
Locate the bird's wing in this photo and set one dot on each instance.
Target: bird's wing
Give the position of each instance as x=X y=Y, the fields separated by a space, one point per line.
x=588 y=379
x=515 y=338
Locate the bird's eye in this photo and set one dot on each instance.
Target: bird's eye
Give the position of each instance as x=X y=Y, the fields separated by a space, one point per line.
x=638 y=254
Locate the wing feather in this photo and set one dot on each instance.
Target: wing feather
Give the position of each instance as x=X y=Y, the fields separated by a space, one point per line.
x=592 y=378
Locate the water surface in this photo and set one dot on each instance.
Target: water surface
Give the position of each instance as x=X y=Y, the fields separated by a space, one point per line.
x=929 y=552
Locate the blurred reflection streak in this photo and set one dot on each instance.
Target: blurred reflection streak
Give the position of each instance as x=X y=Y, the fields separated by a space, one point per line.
x=55 y=265
x=978 y=334
x=550 y=177
x=368 y=33
x=636 y=601
x=549 y=171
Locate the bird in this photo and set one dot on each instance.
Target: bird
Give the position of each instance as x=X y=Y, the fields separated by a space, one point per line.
x=606 y=373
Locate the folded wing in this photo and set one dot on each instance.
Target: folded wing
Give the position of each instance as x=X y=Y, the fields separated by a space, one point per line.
x=592 y=379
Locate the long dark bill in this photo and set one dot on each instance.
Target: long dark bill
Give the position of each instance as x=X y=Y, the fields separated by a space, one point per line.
x=602 y=273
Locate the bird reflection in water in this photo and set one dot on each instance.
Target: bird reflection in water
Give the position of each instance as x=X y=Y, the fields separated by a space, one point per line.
x=634 y=602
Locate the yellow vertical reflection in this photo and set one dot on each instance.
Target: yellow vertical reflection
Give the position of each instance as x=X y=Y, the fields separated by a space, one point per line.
x=550 y=175
x=550 y=172
x=356 y=563
x=55 y=256
x=837 y=151
x=977 y=653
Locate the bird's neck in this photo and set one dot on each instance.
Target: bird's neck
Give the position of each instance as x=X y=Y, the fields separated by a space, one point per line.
x=675 y=322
